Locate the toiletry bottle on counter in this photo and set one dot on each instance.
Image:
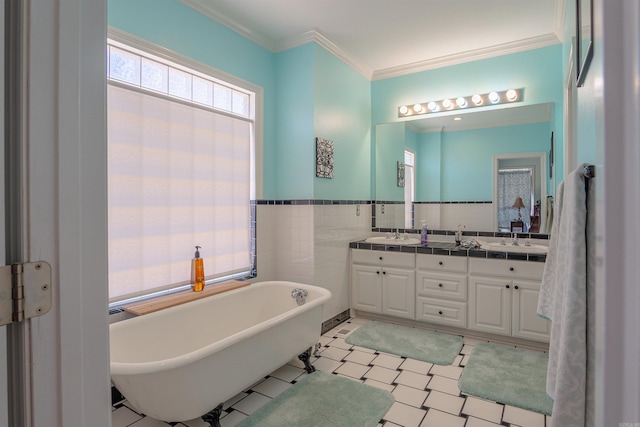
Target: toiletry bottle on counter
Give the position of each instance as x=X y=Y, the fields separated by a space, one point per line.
x=424 y=236
x=197 y=272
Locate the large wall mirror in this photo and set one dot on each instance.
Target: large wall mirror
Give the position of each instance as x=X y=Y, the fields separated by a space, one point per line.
x=464 y=170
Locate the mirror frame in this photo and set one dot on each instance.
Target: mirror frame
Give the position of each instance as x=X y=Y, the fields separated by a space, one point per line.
x=583 y=56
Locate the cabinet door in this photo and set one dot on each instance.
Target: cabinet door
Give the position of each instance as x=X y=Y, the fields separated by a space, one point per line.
x=490 y=305
x=398 y=292
x=366 y=288
x=525 y=322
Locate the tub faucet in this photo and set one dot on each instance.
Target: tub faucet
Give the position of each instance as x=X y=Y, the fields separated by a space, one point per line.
x=300 y=295
x=514 y=242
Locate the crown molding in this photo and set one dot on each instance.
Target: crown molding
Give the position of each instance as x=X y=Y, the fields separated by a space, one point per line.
x=474 y=55
x=284 y=44
x=205 y=8
x=559 y=17
x=317 y=37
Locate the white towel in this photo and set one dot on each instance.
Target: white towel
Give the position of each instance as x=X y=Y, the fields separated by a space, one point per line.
x=563 y=300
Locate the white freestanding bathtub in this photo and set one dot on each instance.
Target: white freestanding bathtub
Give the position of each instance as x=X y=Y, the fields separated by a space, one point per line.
x=181 y=362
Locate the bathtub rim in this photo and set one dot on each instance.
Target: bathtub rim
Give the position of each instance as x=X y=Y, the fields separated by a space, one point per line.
x=137 y=368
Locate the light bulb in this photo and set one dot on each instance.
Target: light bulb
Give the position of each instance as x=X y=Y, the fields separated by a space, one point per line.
x=461 y=102
x=404 y=109
x=512 y=95
x=447 y=104
x=417 y=108
x=494 y=97
x=477 y=99
x=432 y=106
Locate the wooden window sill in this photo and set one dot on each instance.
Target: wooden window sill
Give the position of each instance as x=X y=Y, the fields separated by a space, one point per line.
x=178 y=298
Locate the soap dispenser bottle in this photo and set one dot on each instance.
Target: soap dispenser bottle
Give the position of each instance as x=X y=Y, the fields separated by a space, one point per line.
x=424 y=236
x=197 y=272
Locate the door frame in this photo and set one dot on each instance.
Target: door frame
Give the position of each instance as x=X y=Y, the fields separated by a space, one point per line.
x=542 y=156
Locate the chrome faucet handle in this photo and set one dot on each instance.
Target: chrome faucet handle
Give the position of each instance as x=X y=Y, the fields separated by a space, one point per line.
x=514 y=242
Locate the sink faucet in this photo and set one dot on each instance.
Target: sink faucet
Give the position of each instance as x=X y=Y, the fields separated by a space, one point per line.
x=514 y=242
x=397 y=234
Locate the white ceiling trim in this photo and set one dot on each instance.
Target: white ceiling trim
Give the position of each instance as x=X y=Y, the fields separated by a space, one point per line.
x=256 y=37
x=474 y=55
x=317 y=37
x=559 y=16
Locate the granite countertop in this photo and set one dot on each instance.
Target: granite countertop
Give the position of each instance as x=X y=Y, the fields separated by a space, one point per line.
x=448 y=248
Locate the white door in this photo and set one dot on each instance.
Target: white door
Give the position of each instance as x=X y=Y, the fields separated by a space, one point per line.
x=64 y=353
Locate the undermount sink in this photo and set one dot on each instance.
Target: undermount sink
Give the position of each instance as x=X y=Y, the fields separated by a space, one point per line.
x=381 y=240
x=531 y=249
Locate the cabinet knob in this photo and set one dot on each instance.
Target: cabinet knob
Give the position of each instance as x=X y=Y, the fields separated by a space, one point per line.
x=440 y=263
x=440 y=284
x=377 y=272
x=511 y=268
x=440 y=312
x=384 y=272
x=380 y=258
x=515 y=287
x=507 y=286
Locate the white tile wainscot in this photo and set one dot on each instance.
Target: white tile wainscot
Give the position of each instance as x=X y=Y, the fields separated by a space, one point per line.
x=487 y=298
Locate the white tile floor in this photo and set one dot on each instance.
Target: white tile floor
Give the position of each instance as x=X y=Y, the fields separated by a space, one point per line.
x=426 y=395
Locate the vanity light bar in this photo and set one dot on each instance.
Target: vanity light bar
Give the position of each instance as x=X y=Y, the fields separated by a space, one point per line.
x=462 y=102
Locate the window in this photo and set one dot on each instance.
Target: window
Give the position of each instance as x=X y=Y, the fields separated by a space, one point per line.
x=180 y=150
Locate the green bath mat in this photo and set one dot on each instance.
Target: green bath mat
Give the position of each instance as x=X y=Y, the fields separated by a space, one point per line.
x=508 y=375
x=321 y=400
x=416 y=343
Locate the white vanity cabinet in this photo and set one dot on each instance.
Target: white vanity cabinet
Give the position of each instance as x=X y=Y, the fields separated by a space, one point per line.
x=503 y=298
x=383 y=282
x=441 y=289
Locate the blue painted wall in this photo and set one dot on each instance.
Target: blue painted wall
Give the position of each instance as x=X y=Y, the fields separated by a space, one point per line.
x=342 y=113
x=294 y=165
x=389 y=143
x=538 y=71
x=472 y=152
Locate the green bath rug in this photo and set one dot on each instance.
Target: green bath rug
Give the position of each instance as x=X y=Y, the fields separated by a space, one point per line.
x=320 y=400
x=416 y=343
x=508 y=375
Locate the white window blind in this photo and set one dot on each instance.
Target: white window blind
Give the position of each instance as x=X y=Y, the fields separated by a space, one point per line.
x=179 y=176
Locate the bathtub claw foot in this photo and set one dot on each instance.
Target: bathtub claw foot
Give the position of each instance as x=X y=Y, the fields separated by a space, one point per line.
x=305 y=358
x=213 y=416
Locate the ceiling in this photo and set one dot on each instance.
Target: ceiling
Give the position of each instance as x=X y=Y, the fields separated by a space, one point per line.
x=384 y=38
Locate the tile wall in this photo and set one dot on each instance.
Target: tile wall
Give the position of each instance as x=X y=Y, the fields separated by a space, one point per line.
x=309 y=243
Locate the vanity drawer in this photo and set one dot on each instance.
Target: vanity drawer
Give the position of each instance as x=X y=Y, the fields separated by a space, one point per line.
x=452 y=264
x=445 y=286
x=388 y=259
x=435 y=310
x=506 y=268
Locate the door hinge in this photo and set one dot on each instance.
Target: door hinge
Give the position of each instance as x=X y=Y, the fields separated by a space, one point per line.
x=25 y=291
